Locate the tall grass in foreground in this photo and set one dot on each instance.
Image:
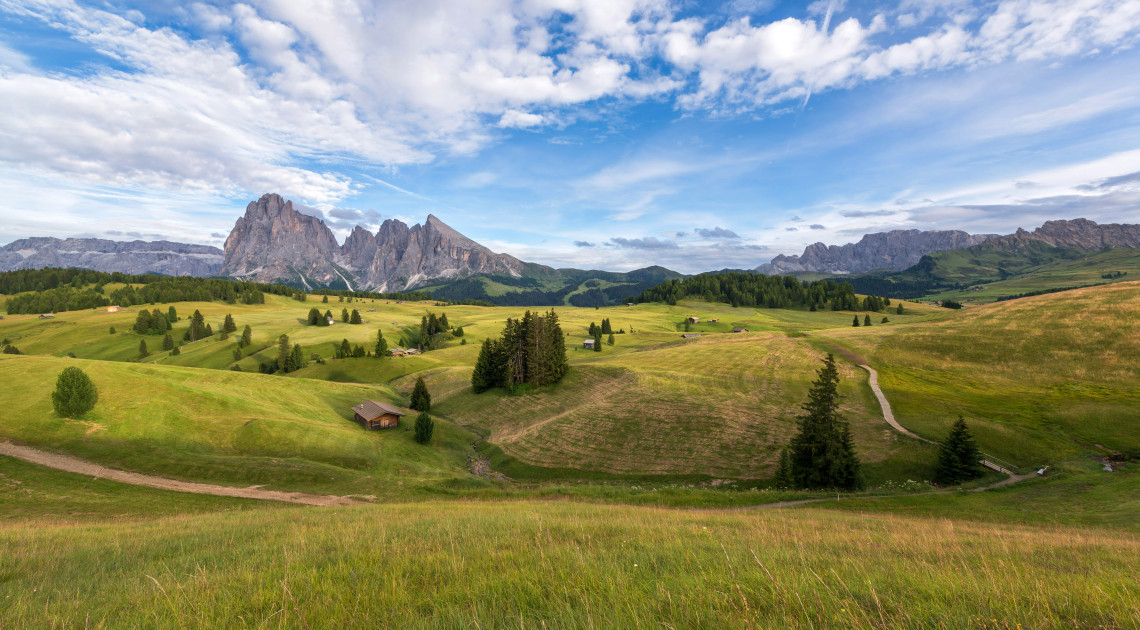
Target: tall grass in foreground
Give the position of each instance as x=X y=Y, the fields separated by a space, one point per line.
x=514 y=565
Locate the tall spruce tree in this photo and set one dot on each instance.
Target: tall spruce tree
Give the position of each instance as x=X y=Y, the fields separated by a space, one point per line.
x=168 y=342
x=381 y=344
x=425 y=427
x=355 y=318
x=784 y=479
x=142 y=348
x=867 y=320
x=483 y=377
x=598 y=340
x=74 y=393
x=283 y=351
x=855 y=322
x=296 y=359
x=822 y=453
x=314 y=317
x=229 y=326
x=344 y=315
x=246 y=337
x=958 y=456
x=421 y=399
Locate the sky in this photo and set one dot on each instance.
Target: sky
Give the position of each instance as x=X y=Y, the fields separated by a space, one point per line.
x=603 y=134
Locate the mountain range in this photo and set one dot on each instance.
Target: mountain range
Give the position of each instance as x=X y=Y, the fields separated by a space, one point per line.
x=275 y=243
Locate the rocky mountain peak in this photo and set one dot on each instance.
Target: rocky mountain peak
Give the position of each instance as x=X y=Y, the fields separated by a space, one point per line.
x=896 y=250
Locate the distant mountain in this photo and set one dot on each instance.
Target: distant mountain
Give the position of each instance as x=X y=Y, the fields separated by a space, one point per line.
x=1080 y=233
x=894 y=250
x=133 y=257
x=273 y=242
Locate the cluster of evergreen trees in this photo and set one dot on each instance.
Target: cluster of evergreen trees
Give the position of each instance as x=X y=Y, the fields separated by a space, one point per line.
x=747 y=289
x=348 y=351
x=155 y=322
x=57 y=290
x=532 y=350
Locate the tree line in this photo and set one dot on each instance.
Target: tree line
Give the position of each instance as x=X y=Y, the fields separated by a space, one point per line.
x=755 y=290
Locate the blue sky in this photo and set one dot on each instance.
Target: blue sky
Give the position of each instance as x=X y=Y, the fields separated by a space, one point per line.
x=590 y=133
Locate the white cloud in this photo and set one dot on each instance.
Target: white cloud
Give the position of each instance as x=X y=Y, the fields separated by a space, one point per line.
x=513 y=118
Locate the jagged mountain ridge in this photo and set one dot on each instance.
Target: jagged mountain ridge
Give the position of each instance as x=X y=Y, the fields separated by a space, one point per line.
x=273 y=242
x=1079 y=233
x=133 y=257
x=895 y=250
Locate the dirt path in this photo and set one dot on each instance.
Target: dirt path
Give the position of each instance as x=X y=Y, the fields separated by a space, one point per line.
x=889 y=415
x=79 y=466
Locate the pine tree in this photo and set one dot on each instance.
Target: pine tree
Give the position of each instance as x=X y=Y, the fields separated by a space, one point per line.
x=421 y=399
x=483 y=377
x=855 y=322
x=237 y=353
x=610 y=341
x=229 y=326
x=197 y=326
x=344 y=315
x=867 y=319
x=606 y=329
x=899 y=310
x=142 y=348
x=246 y=337
x=355 y=319
x=74 y=393
x=598 y=340
x=458 y=332
x=209 y=330
x=171 y=314
x=283 y=351
x=296 y=359
x=325 y=300
x=314 y=318
x=176 y=351
x=958 y=456
x=112 y=331
x=381 y=344
x=143 y=322
x=345 y=350
x=812 y=309
x=168 y=342
x=784 y=479
x=885 y=320
x=443 y=323
x=822 y=453
x=425 y=427
x=328 y=318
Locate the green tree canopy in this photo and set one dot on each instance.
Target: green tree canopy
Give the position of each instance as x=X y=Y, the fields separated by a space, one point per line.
x=425 y=427
x=421 y=399
x=74 y=394
x=822 y=453
x=958 y=456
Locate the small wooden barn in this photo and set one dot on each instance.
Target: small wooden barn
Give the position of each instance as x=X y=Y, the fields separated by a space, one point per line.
x=377 y=415
x=690 y=336
x=694 y=320
x=739 y=330
x=113 y=309
x=588 y=344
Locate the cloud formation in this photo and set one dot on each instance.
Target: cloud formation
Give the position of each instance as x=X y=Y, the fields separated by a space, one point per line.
x=716 y=232
x=649 y=242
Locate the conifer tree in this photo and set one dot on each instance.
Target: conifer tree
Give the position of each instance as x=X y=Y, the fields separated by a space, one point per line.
x=246 y=337
x=958 y=456
x=325 y=300
x=483 y=377
x=229 y=326
x=610 y=341
x=176 y=351
x=784 y=479
x=855 y=322
x=458 y=332
x=443 y=324
x=143 y=322
x=598 y=340
x=822 y=453
x=209 y=330
x=884 y=320
x=142 y=348
x=237 y=353
x=112 y=331
x=381 y=344
x=867 y=319
x=328 y=317
x=296 y=359
x=425 y=427
x=606 y=329
x=344 y=315
x=168 y=342
x=171 y=314
x=283 y=351
x=899 y=310
x=74 y=393
x=314 y=317
x=355 y=318
x=421 y=399
x=345 y=350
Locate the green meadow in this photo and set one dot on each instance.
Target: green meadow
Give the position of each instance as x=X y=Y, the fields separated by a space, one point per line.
x=631 y=494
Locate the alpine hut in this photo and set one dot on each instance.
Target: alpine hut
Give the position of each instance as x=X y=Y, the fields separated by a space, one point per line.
x=377 y=415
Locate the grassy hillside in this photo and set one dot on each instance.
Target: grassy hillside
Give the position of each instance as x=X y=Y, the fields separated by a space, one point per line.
x=531 y=565
x=225 y=427
x=1040 y=379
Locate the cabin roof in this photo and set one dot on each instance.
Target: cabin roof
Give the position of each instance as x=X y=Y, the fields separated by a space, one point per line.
x=370 y=410
x=690 y=335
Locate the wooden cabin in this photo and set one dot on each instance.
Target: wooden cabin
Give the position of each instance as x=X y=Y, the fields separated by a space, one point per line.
x=113 y=309
x=47 y=316
x=690 y=336
x=694 y=320
x=377 y=415
x=739 y=330
x=588 y=344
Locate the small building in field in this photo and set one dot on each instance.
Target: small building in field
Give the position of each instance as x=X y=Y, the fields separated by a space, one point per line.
x=113 y=309
x=396 y=352
x=47 y=316
x=411 y=351
x=693 y=320
x=377 y=415
x=690 y=336
x=588 y=344
x=715 y=319
x=629 y=303
x=738 y=330
x=331 y=321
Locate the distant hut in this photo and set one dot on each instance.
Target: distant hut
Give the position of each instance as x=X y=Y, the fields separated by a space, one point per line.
x=588 y=344
x=331 y=321
x=411 y=351
x=377 y=415
x=690 y=336
x=738 y=330
x=694 y=320
x=715 y=319
x=47 y=316
x=113 y=309
x=396 y=352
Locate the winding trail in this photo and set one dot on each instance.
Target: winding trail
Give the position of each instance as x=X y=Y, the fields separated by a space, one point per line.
x=74 y=465
x=889 y=415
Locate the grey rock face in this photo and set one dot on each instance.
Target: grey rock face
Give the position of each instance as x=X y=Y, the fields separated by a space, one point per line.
x=275 y=243
x=895 y=250
x=1081 y=233
x=133 y=257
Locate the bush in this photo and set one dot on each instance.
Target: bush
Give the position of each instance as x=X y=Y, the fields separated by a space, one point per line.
x=425 y=426
x=951 y=304
x=74 y=393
